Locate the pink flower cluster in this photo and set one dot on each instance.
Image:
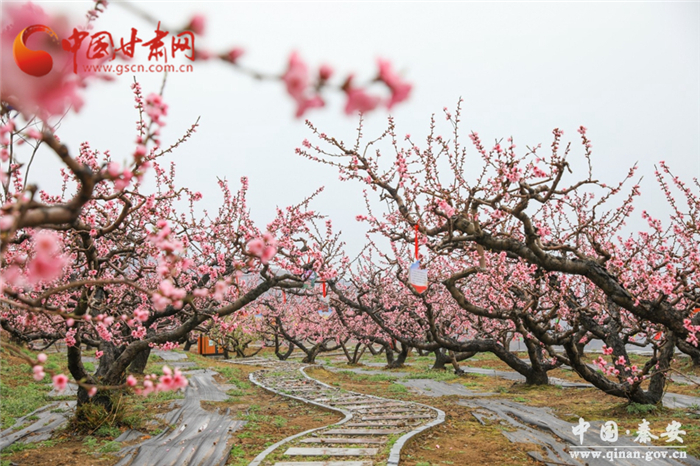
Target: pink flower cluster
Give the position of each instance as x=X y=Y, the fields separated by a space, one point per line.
x=48 y=262
x=60 y=382
x=170 y=246
x=296 y=79
x=693 y=331
x=265 y=248
x=446 y=208
x=220 y=289
x=168 y=294
x=141 y=314
x=70 y=337
x=139 y=332
x=169 y=381
x=156 y=108
x=197 y=24
x=399 y=89
x=38 y=369
x=167 y=346
x=360 y=101
x=5 y=131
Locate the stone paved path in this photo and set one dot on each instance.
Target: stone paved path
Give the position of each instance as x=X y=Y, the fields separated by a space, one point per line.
x=436 y=388
x=361 y=439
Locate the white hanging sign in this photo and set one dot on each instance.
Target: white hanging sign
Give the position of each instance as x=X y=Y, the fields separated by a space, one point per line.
x=418 y=277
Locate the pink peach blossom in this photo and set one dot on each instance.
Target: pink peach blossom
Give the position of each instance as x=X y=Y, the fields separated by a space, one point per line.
x=38 y=373
x=268 y=253
x=399 y=88
x=256 y=246
x=197 y=24
x=60 y=382
x=360 y=101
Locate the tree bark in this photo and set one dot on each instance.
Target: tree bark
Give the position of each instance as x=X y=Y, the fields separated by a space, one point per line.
x=690 y=350
x=400 y=359
x=138 y=365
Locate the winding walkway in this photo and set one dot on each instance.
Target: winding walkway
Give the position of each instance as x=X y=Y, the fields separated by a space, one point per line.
x=373 y=431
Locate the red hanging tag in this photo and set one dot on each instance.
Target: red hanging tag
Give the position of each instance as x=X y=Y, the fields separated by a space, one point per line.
x=416 y=240
x=658 y=336
x=324 y=289
x=284 y=297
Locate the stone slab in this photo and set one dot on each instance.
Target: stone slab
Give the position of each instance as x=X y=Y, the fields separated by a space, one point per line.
x=170 y=355
x=395 y=418
x=324 y=463
x=375 y=424
x=374 y=406
x=300 y=451
x=363 y=431
x=359 y=401
x=341 y=440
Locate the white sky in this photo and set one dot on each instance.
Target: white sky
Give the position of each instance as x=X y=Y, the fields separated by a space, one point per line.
x=629 y=72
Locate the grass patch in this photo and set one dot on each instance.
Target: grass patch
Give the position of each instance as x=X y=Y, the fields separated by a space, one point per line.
x=17 y=447
x=369 y=377
x=636 y=408
x=20 y=394
x=440 y=376
x=93 y=445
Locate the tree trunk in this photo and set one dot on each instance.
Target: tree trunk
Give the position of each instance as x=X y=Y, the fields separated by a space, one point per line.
x=358 y=354
x=456 y=357
x=311 y=354
x=400 y=359
x=373 y=351
x=537 y=377
x=103 y=375
x=441 y=359
x=280 y=355
x=690 y=350
x=138 y=365
x=443 y=356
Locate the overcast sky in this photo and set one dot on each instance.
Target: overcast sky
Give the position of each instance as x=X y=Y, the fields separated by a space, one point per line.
x=629 y=72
